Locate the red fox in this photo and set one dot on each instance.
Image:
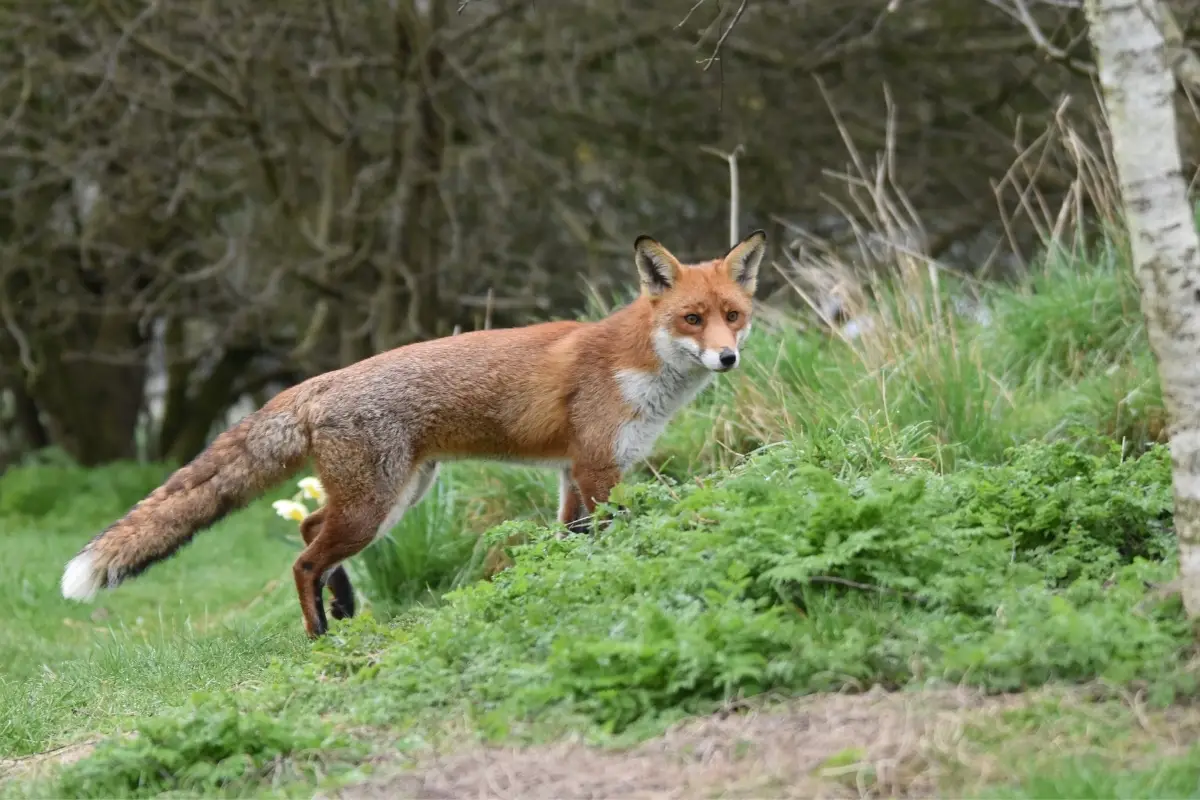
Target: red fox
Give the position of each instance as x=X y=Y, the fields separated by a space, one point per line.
x=588 y=399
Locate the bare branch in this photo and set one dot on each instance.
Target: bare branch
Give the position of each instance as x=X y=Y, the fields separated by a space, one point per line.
x=691 y=11
x=737 y=15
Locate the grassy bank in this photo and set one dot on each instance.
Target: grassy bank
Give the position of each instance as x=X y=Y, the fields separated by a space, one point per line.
x=936 y=502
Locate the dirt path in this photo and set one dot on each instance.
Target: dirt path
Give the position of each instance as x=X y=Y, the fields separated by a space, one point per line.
x=39 y=763
x=821 y=746
x=905 y=744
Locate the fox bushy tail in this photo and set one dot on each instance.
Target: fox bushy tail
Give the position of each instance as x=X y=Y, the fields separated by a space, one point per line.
x=259 y=452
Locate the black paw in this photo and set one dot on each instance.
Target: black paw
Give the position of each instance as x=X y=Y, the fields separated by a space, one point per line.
x=342 y=606
x=338 y=610
x=580 y=525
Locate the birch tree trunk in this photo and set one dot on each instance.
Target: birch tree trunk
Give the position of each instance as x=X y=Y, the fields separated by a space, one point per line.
x=1138 y=88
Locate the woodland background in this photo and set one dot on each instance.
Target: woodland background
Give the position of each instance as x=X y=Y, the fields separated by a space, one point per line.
x=203 y=202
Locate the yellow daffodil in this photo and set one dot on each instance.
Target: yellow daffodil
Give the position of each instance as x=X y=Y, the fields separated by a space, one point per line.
x=290 y=509
x=312 y=489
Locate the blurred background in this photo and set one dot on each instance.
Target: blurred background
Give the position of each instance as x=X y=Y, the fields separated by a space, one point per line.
x=202 y=202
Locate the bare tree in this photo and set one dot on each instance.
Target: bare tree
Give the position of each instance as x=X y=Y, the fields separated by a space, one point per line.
x=202 y=202
x=1138 y=90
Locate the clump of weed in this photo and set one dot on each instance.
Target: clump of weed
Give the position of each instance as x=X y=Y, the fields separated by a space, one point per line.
x=212 y=747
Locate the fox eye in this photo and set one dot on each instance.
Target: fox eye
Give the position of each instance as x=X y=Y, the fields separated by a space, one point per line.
x=692 y=319
x=731 y=316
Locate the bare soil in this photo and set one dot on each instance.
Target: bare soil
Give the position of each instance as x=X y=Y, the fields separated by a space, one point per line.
x=39 y=763
x=823 y=746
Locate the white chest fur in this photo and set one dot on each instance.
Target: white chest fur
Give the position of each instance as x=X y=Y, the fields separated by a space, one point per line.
x=655 y=396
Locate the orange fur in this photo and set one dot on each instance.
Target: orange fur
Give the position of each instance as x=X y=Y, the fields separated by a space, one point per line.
x=587 y=398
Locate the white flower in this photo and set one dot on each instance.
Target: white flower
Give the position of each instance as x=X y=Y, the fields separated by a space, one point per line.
x=290 y=509
x=313 y=489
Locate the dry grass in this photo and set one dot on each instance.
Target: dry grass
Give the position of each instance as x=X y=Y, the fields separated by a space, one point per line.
x=821 y=746
x=953 y=742
x=42 y=764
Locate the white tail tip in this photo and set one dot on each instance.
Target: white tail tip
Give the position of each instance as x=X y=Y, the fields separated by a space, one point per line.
x=80 y=580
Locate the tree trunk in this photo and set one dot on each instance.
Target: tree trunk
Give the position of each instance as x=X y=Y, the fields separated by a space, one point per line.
x=21 y=431
x=28 y=420
x=91 y=404
x=1138 y=91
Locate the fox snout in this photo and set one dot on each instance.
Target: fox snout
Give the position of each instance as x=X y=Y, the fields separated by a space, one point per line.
x=720 y=360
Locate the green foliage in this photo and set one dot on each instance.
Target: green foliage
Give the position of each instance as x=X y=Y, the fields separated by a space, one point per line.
x=426 y=554
x=779 y=576
x=1064 y=349
x=436 y=546
x=211 y=747
x=1094 y=776
x=884 y=531
x=1072 y=514
x=1074 y=316
x=39 y=489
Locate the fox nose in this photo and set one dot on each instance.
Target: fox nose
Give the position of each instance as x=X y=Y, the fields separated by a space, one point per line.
x=728 y=357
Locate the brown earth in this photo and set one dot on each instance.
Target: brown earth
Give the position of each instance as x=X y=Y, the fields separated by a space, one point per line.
x=904 y=744
x=816 y=747
x=40 y=763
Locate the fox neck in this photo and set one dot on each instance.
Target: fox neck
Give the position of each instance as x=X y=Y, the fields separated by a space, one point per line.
x=654 y=394
x=658 y=393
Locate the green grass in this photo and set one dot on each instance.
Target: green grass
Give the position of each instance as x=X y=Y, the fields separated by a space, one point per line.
x=213 y=748
x=773 y=577
x=1093 y=776
x=1067 y=745
x=210 y=619
x=934 y=503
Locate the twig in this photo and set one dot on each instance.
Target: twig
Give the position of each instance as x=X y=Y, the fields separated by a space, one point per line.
x=658 y=476
x=1035 y=31
x=691 y=11
x=725 y=35
x=1019 y=11
x=24 y=351
x=731 y=159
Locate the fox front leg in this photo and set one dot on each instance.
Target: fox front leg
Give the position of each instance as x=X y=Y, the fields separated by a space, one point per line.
x=593 y=483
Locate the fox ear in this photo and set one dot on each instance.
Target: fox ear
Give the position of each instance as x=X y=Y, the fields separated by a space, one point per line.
x=657 y=268
x=745 y=258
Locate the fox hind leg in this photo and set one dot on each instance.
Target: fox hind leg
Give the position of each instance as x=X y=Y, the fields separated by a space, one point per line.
x=362 y=485
x=336 y=579
x=345 y=532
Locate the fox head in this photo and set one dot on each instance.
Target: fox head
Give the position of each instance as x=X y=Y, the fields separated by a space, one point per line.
x=701 y=311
